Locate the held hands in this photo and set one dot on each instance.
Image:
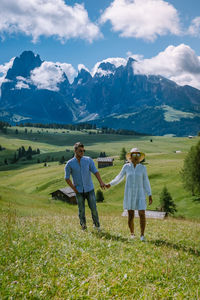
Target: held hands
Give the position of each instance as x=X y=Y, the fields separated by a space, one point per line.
x=102 y=185
x=150 y=200
x=105 y=186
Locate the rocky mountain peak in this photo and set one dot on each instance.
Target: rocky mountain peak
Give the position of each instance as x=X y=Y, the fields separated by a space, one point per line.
x=129 y=65
x=23 y=65
x=115 y=95
x=83 y=77
x=106 y=66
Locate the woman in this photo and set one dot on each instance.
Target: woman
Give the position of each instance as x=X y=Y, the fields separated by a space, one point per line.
x=137 y=185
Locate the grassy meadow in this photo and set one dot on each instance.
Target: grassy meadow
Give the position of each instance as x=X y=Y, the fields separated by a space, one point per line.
x=45 y=255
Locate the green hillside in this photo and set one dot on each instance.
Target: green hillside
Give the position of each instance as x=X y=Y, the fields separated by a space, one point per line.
x=31 y=179
x=45 y=255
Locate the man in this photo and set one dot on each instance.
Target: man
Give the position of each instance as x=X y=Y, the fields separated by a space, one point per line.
x=80 y=167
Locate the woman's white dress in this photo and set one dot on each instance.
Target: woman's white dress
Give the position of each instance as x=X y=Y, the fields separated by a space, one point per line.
x=137 y=185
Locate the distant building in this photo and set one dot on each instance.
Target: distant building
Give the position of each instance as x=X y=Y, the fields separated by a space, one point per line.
x=105 y=162
x=65 y=194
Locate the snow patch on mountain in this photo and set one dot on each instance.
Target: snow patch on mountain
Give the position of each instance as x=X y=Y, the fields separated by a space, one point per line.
x=90 y=117
x=77 y=101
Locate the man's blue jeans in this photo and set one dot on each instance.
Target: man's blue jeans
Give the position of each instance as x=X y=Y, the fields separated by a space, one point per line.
x=91 y=199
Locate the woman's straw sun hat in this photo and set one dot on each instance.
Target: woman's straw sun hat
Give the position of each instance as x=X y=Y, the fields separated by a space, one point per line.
x=135 y=150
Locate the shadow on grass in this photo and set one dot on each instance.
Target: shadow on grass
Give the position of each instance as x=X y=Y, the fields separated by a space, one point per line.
x=196 y=200
x=161 y=243
x=71 y=138
x=108 y=236
x=155 y=176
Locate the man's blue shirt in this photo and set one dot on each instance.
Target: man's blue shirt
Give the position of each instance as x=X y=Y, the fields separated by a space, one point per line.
x=81 y=173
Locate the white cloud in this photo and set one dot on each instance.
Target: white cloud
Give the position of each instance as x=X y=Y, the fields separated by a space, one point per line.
x=144 y=19
x=22 y=83
x=101 y=72
x=81 y=66
x=48 y=18
x=4 y=68
x=194 y=28
x=3 y=71
x=68 y=69
x=180 y=64
x=134 y=56
x=117 y=61
x=50 y=74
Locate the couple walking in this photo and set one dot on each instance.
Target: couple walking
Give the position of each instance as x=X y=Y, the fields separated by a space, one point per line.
x=137 y=185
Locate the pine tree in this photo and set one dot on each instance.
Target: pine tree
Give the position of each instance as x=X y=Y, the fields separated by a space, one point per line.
x=14 y=160
x=23 y=151
x=99 y=196
x=29 y=151
x=191 y=170
x=167 y=204
x=28 y=156
x=62 y=160
x=123 y=154
x=19 y=153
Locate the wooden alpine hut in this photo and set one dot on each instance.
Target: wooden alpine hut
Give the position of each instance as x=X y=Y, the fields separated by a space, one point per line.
x=105 y=162
x=65 y=194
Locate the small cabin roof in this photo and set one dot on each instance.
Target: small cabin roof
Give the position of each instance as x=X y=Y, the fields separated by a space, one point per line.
x=105 y=159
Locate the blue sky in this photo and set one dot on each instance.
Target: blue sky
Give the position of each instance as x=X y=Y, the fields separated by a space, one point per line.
x=163 y=35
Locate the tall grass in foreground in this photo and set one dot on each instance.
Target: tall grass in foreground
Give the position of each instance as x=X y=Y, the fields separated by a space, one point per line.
x=51 y=258
x=45 y=255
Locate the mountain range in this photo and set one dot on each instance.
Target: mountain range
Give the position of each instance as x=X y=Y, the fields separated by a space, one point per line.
x=114 y=96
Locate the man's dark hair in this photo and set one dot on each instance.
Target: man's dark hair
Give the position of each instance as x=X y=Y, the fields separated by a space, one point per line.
x=78 y=145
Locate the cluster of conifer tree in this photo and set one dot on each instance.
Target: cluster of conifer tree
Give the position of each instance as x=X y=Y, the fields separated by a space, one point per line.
x=78 y=127
x=22 y=152
x=102 y=154
x=3 y=126
x=81 y=126
x=2 y=148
